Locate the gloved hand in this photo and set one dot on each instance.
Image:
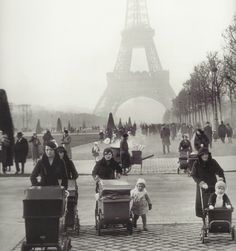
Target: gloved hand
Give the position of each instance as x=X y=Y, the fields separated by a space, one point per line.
x=203 y=185
x=228 y=206
x=150 y=206
x=211 y=207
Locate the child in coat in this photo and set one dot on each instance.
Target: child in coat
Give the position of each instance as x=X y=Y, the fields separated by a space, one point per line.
x=96 y=151
x=140 y=203
x=219 y=198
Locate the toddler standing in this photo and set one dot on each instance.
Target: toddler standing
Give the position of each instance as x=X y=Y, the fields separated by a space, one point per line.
x=140 y=203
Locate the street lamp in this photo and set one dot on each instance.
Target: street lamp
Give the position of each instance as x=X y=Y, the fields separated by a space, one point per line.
x=214 y=71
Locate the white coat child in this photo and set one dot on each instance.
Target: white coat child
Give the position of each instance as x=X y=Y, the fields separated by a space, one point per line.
x=140 y=203
x=219 y=198
x=96 y=151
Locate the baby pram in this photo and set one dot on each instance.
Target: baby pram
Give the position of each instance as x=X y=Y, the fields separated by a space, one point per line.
x=43 y=210
x=217 y=220
x=71 y=215
x=113 y=206
x=183 y=161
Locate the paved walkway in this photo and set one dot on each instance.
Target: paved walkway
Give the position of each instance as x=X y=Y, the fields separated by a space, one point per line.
x=172 y=237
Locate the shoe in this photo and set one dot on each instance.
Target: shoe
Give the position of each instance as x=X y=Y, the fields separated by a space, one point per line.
x=145 y=229
x=17 y=172
x=134 y=225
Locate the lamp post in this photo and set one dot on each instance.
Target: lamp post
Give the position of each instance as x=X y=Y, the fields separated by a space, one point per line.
x=214 y=71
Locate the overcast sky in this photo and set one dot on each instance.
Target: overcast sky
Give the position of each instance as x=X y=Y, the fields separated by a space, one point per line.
x=61 y=50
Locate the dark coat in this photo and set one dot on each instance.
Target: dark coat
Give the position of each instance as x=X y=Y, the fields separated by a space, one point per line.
x=229 y=131
x=106 y=169
x=21 y=149
x=208 y=132
x=49 y=173
x=222 y=131
x=70 y=169
x=212 y=200
x=165 y=136
x=124 y=153
x=35 y=147
x=205 y=171
x=185 y=145
x=201 y=139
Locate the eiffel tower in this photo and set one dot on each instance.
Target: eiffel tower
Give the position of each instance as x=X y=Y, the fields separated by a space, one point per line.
x=122 y=83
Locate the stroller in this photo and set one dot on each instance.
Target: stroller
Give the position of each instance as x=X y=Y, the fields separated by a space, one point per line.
x=217 y=220
x=113 y=206
x=183 y=162
x=71 y=215
x=43 y=210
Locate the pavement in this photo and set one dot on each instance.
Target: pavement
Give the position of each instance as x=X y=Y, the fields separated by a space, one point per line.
x=172 y=222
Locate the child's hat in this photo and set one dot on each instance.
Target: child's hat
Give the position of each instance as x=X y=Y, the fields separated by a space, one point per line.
x=220 y=183
x=141 y=181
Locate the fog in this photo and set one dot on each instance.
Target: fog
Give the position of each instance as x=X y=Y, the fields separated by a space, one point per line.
x=57 y=52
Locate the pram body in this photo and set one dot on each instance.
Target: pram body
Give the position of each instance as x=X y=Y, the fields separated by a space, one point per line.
x=217 y=220
x=113 y=205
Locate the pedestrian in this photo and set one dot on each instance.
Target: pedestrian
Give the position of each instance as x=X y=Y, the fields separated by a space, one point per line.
x=96 y=151
x=7 y=137
x=205 y=172
x=101 y=136
x=47 y=137
x=20 y=152
x=165 y=137
x=185 y=145
x=222 y=131
x=35 y=147
x=208 y=132
x=50 y=170
x=200 y=140
x=229 y=132
x=124 y=153
x=70 y=167
x=106 y=168
x=66 y=141
x=140 y=203
x=219 y=199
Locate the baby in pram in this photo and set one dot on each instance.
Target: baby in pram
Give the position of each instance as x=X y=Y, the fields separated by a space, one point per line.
x=219 y=198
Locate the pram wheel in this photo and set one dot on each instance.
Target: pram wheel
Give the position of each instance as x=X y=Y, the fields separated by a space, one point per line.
x=203 y=234
x=66 y=245
x=24 y=247
x=233 y=233
x=77 y=225
x=130 y=227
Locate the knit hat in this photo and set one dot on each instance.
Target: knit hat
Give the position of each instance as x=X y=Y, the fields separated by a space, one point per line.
x=220 y=183
x=125 y=135
x=107 y=150
x=203 y=150
x=61 y=149
x=141 y=181
x=51 y=145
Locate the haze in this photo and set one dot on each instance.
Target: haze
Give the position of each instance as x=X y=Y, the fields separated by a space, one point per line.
x=56 y=53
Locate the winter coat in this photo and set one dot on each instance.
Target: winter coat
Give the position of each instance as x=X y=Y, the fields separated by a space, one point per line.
x=70 y=169
x=199 y=140
x=208 y=132
x=205 y=171
x=49 y=173
x=229 y=131
x=185 y=145
x=21 y=149
x=222 y=131
x=140 y=201
x=165 y=136
x=212 y=200
x=35 y=147
x=66 y=140
x=124 y=153
x=47 y=137
x=106 y=169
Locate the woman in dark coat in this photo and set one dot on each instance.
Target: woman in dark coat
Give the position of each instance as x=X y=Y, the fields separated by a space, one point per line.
x=50 y=169
x=204 y=173
x=124 y=153
x=7 y=128
x=106 y=168
x=200 y=140
x=70 y=167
